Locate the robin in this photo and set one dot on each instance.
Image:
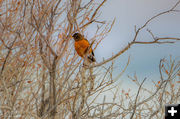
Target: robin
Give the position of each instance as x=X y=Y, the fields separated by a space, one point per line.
x=82 y=46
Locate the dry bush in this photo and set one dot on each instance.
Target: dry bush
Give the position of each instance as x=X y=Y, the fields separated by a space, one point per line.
x=42 y=77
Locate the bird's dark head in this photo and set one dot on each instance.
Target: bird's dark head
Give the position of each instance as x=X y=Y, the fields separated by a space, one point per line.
x=77 y=36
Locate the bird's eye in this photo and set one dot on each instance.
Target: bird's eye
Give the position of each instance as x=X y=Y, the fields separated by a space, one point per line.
x=76 y=36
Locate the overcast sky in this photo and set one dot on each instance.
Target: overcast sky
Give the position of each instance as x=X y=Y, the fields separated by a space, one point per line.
x=128 y=13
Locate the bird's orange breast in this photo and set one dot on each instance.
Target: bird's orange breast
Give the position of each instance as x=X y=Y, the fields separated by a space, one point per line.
x=81 y=46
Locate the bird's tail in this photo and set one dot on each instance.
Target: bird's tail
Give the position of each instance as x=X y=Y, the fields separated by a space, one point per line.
x=91 y=58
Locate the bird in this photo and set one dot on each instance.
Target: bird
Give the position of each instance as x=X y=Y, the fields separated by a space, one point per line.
x=82 y=46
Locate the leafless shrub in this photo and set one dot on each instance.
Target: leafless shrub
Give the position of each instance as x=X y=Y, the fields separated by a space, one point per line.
x=42 y=77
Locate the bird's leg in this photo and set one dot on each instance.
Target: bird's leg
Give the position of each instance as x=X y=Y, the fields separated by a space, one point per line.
x=85 y=63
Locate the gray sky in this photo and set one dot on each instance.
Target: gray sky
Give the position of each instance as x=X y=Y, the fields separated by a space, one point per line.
x=128 y=13
x=144 y=58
